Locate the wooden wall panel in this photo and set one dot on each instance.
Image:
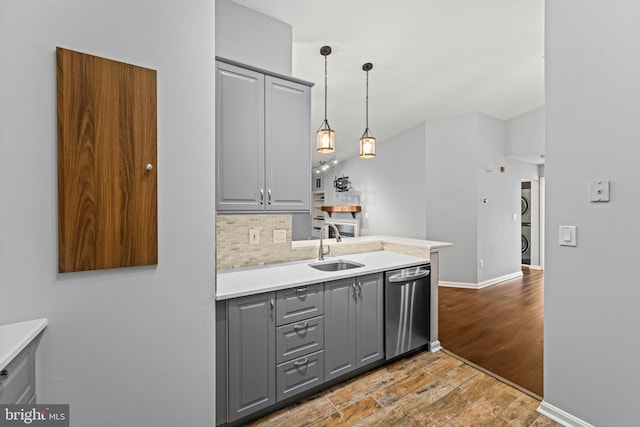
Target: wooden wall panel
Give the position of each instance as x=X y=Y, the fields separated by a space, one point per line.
x=107 y=134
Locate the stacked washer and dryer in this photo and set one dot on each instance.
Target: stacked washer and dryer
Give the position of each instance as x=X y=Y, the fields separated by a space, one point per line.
x=525 y=205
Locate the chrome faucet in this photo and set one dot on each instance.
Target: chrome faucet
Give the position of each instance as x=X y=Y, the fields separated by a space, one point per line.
x=321 y=252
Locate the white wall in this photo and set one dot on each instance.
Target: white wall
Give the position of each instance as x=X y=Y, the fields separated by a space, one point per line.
x=525 y=136
x=459 y=151
x=249 y=37
x=452 y=194
x=390 y=187
x=591 y=291
x=498 y=230
x=131 y=346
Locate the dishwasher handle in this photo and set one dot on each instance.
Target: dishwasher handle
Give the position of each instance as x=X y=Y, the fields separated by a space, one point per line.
x=402 y=278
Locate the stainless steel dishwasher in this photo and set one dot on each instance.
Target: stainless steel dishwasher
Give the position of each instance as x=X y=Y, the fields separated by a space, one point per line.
x=407 y=309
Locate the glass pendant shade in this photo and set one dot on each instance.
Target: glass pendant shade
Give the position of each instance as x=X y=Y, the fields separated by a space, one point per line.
x=325 y=138
x=367 y=145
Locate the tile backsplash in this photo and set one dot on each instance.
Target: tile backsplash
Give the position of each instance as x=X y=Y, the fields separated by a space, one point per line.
x=232 y=240
x=233 y=249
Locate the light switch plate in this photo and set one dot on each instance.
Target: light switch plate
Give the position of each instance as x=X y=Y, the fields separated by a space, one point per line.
x=254 y=236
x=599 y=190
x=567 y=235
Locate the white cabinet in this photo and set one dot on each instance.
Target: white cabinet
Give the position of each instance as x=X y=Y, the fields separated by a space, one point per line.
x=18 y=379
x=263 y=148
x=18 y=343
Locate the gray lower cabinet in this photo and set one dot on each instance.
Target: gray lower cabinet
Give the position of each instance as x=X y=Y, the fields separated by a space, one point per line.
x=339 y=327
x=251 y=354
x=300 y=374
x=18 y=379
x=369 y=319
x=299 y=340
x=275 y=345
x=354 y=323
x=299 y=303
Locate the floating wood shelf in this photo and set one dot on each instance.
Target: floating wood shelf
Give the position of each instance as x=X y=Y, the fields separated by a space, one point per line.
x=332 y=209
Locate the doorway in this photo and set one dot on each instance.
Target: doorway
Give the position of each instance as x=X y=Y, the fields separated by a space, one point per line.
x=530 y=224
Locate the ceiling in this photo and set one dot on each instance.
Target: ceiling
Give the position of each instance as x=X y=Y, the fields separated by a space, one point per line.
x=431 y=58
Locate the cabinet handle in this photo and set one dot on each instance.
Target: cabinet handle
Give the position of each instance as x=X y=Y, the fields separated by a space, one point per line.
x=359 y=290
x=271 y=306
x=303 y=289
x=301 y=362
x=269 y=196
x=304 y=325
x=4 y=374
x=149 y=166
x=262 y=196
x=353 y=290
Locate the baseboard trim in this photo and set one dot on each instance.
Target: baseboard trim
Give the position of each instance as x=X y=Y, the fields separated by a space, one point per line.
x=480 y=285
x=435 y=346
x=560 y=416
x=533 y=267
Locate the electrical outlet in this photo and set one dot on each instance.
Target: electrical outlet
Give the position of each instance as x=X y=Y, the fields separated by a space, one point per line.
x=254 y=236
x=279 y=236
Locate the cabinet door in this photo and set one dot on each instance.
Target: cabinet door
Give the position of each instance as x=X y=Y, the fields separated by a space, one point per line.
x=107 y=135
x=19 y=385
x=239 y=139
x=288 y=145
x=339 y=327
x=369 y=319
x=252 y=381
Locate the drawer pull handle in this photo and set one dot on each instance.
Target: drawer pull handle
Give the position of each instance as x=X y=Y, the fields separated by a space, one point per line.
x=304 y=289
x=304 y=325
x=301 y=362
x=4 y=374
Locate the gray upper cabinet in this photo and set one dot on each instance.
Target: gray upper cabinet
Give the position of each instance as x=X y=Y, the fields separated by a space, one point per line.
x=354 y=323
x=251 y=354
x=263 y=149
x=239 y=138
x=287 y=145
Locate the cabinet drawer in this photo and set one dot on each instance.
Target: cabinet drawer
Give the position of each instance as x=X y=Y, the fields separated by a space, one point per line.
x=299 y=303
x=299 y=338
x=299 y=375
x=19 y=386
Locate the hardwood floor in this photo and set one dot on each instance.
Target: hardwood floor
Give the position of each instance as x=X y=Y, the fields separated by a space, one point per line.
x=499 y=328
x=424 y=389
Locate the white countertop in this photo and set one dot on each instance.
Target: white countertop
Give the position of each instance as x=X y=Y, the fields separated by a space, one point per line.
x=15 y=337
x=431 y=244
x=254 y=280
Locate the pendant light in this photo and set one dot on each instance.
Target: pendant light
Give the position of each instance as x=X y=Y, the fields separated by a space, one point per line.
x=368 y=141
x=325 y=135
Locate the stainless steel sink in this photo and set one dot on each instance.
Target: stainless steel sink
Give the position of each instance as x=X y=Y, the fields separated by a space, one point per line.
x=336 y=265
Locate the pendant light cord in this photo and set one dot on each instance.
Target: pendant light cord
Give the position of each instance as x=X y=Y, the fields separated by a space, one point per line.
x=325 y=88
x=367 y=103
